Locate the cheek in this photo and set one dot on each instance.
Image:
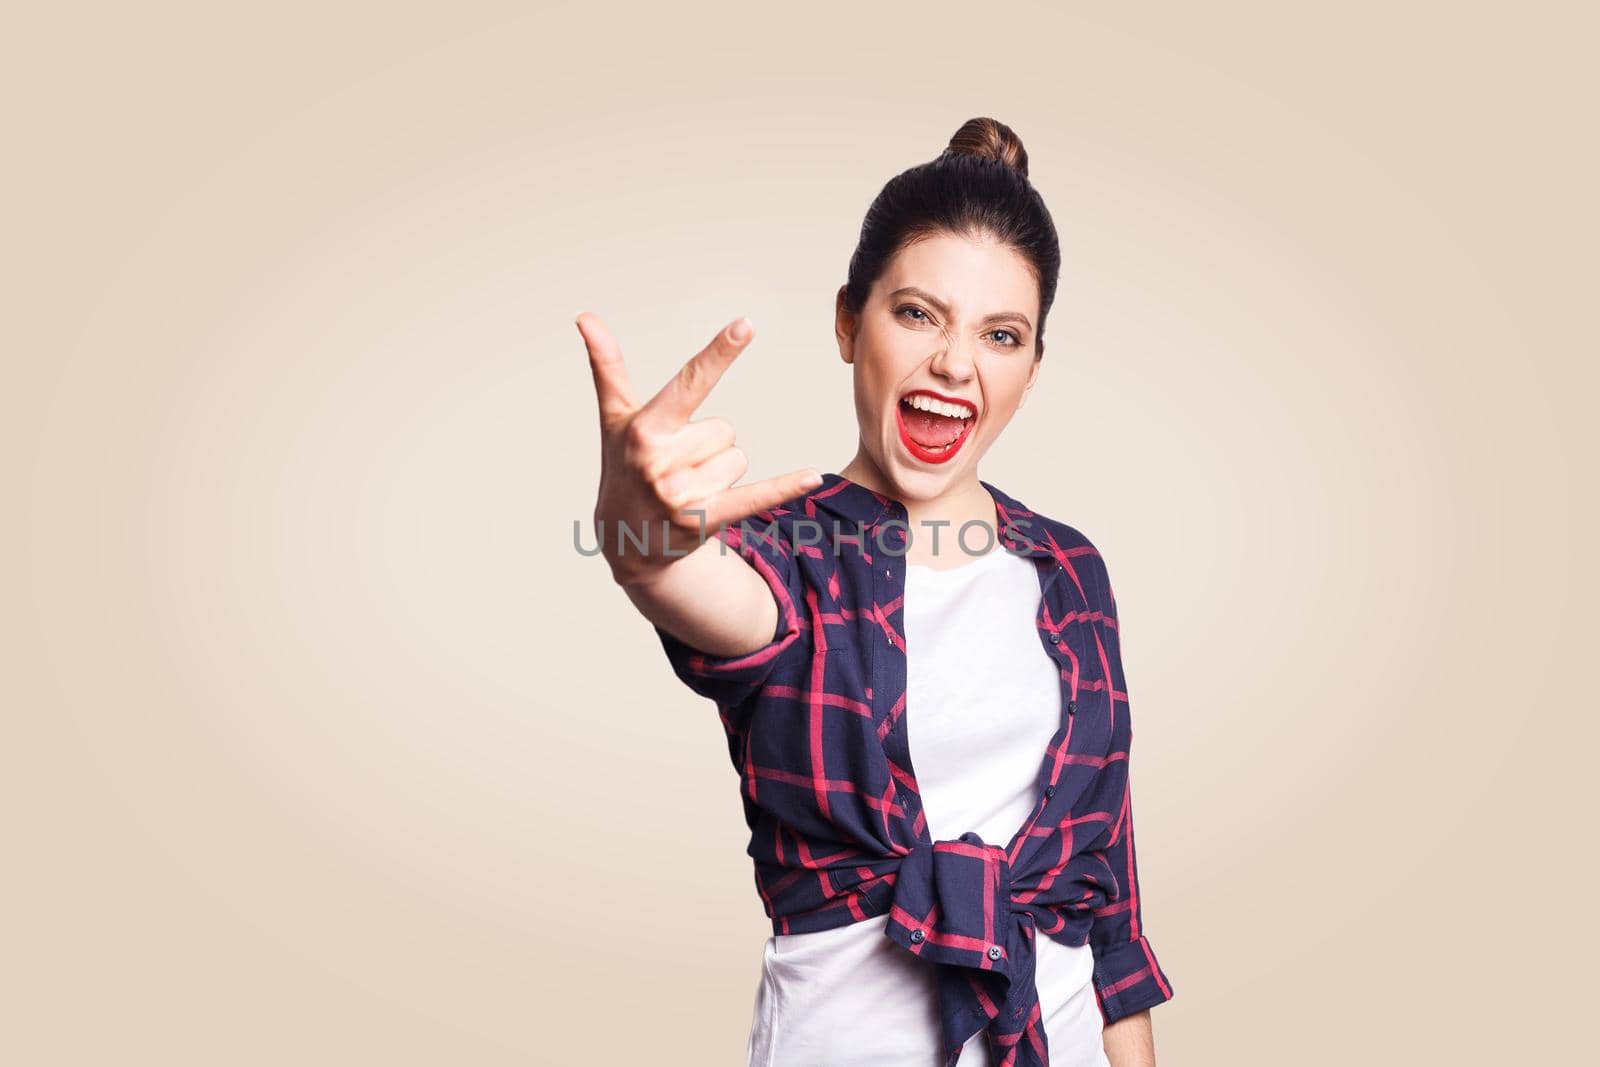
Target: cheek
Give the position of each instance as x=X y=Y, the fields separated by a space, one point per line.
x=895 y=350
x=1002 y=393
x=869 y=394
x=878 y=378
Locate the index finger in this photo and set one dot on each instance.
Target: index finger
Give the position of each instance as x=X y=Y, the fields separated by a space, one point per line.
x=688 y=389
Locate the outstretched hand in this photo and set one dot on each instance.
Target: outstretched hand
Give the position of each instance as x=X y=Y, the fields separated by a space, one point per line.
x=658 y=467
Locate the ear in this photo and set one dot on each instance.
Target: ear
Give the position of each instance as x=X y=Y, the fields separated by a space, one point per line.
x=844 y=328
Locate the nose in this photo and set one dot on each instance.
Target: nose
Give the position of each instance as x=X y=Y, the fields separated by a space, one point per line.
x=954 y=364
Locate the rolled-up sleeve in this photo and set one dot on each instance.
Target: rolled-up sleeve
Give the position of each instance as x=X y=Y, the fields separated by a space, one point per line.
x=1127 y=976
x=730 y=680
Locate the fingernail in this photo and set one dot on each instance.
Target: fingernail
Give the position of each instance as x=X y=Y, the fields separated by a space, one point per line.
x=740 y=330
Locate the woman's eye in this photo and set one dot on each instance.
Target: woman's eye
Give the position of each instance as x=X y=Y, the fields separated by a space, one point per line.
x=918 y=315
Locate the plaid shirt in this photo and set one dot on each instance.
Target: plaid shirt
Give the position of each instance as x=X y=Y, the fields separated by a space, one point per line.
x=816 y=726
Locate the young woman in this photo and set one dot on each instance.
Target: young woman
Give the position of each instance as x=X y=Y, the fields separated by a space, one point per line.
x=980 y=901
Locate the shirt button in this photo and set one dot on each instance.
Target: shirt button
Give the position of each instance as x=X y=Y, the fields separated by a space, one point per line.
x=917 y=935
x=1049 y=790
x=994 y=952
x=1072 y=706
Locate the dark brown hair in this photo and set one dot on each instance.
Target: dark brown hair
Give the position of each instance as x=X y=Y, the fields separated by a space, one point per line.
x=977 y=186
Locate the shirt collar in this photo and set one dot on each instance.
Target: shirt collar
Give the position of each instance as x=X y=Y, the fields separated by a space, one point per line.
x=852 y=500
x=1020 y=529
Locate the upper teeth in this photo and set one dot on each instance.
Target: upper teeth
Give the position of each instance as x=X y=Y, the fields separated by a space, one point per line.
x=939 y=407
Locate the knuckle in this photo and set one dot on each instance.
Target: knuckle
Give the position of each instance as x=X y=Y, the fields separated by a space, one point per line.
x=645 y=454
x=667 y=490
x=636 y=436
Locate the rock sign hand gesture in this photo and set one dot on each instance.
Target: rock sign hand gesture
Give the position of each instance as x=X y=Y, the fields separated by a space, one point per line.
x=658 y=469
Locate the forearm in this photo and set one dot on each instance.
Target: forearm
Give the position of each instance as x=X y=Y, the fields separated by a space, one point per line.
x=710 y=599
x=1130 y=1041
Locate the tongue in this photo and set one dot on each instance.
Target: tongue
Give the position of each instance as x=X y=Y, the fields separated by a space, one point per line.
x=930 y=430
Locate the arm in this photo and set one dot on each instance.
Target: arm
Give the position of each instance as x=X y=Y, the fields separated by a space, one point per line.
x=760 y=614
x=1127 y=976
x=1128 y=979
x=1129 y=1041
x=664 y=481
x=711 y=599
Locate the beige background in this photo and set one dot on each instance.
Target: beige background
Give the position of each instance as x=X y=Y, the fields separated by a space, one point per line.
x=324 y=745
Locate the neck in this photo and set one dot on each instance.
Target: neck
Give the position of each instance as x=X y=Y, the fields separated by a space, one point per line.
x=936 y=521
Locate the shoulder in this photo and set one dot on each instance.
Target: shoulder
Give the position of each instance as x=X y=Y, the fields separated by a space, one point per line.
x=1087 y=562
x=1081 y=556
x=1038 y=525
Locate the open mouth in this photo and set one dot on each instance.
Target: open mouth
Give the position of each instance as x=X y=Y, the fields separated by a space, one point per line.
x=932 y=426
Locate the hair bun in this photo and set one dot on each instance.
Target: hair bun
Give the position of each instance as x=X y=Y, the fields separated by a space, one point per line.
x=989 y=138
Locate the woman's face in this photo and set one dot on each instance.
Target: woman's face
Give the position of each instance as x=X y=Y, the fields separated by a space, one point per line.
x=943 y=355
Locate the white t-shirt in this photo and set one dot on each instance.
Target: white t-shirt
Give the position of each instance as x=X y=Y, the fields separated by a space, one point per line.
x=983 y=700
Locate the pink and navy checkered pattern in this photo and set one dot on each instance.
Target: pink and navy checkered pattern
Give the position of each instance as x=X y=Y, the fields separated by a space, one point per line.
x=817 y=728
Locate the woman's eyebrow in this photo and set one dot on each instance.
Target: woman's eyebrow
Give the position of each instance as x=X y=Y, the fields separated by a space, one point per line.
x=944 y=309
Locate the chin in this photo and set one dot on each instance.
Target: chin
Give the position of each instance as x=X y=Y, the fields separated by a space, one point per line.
x=919 y=482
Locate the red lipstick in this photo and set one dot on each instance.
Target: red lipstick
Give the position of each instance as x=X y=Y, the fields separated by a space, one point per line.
x=922 y=452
